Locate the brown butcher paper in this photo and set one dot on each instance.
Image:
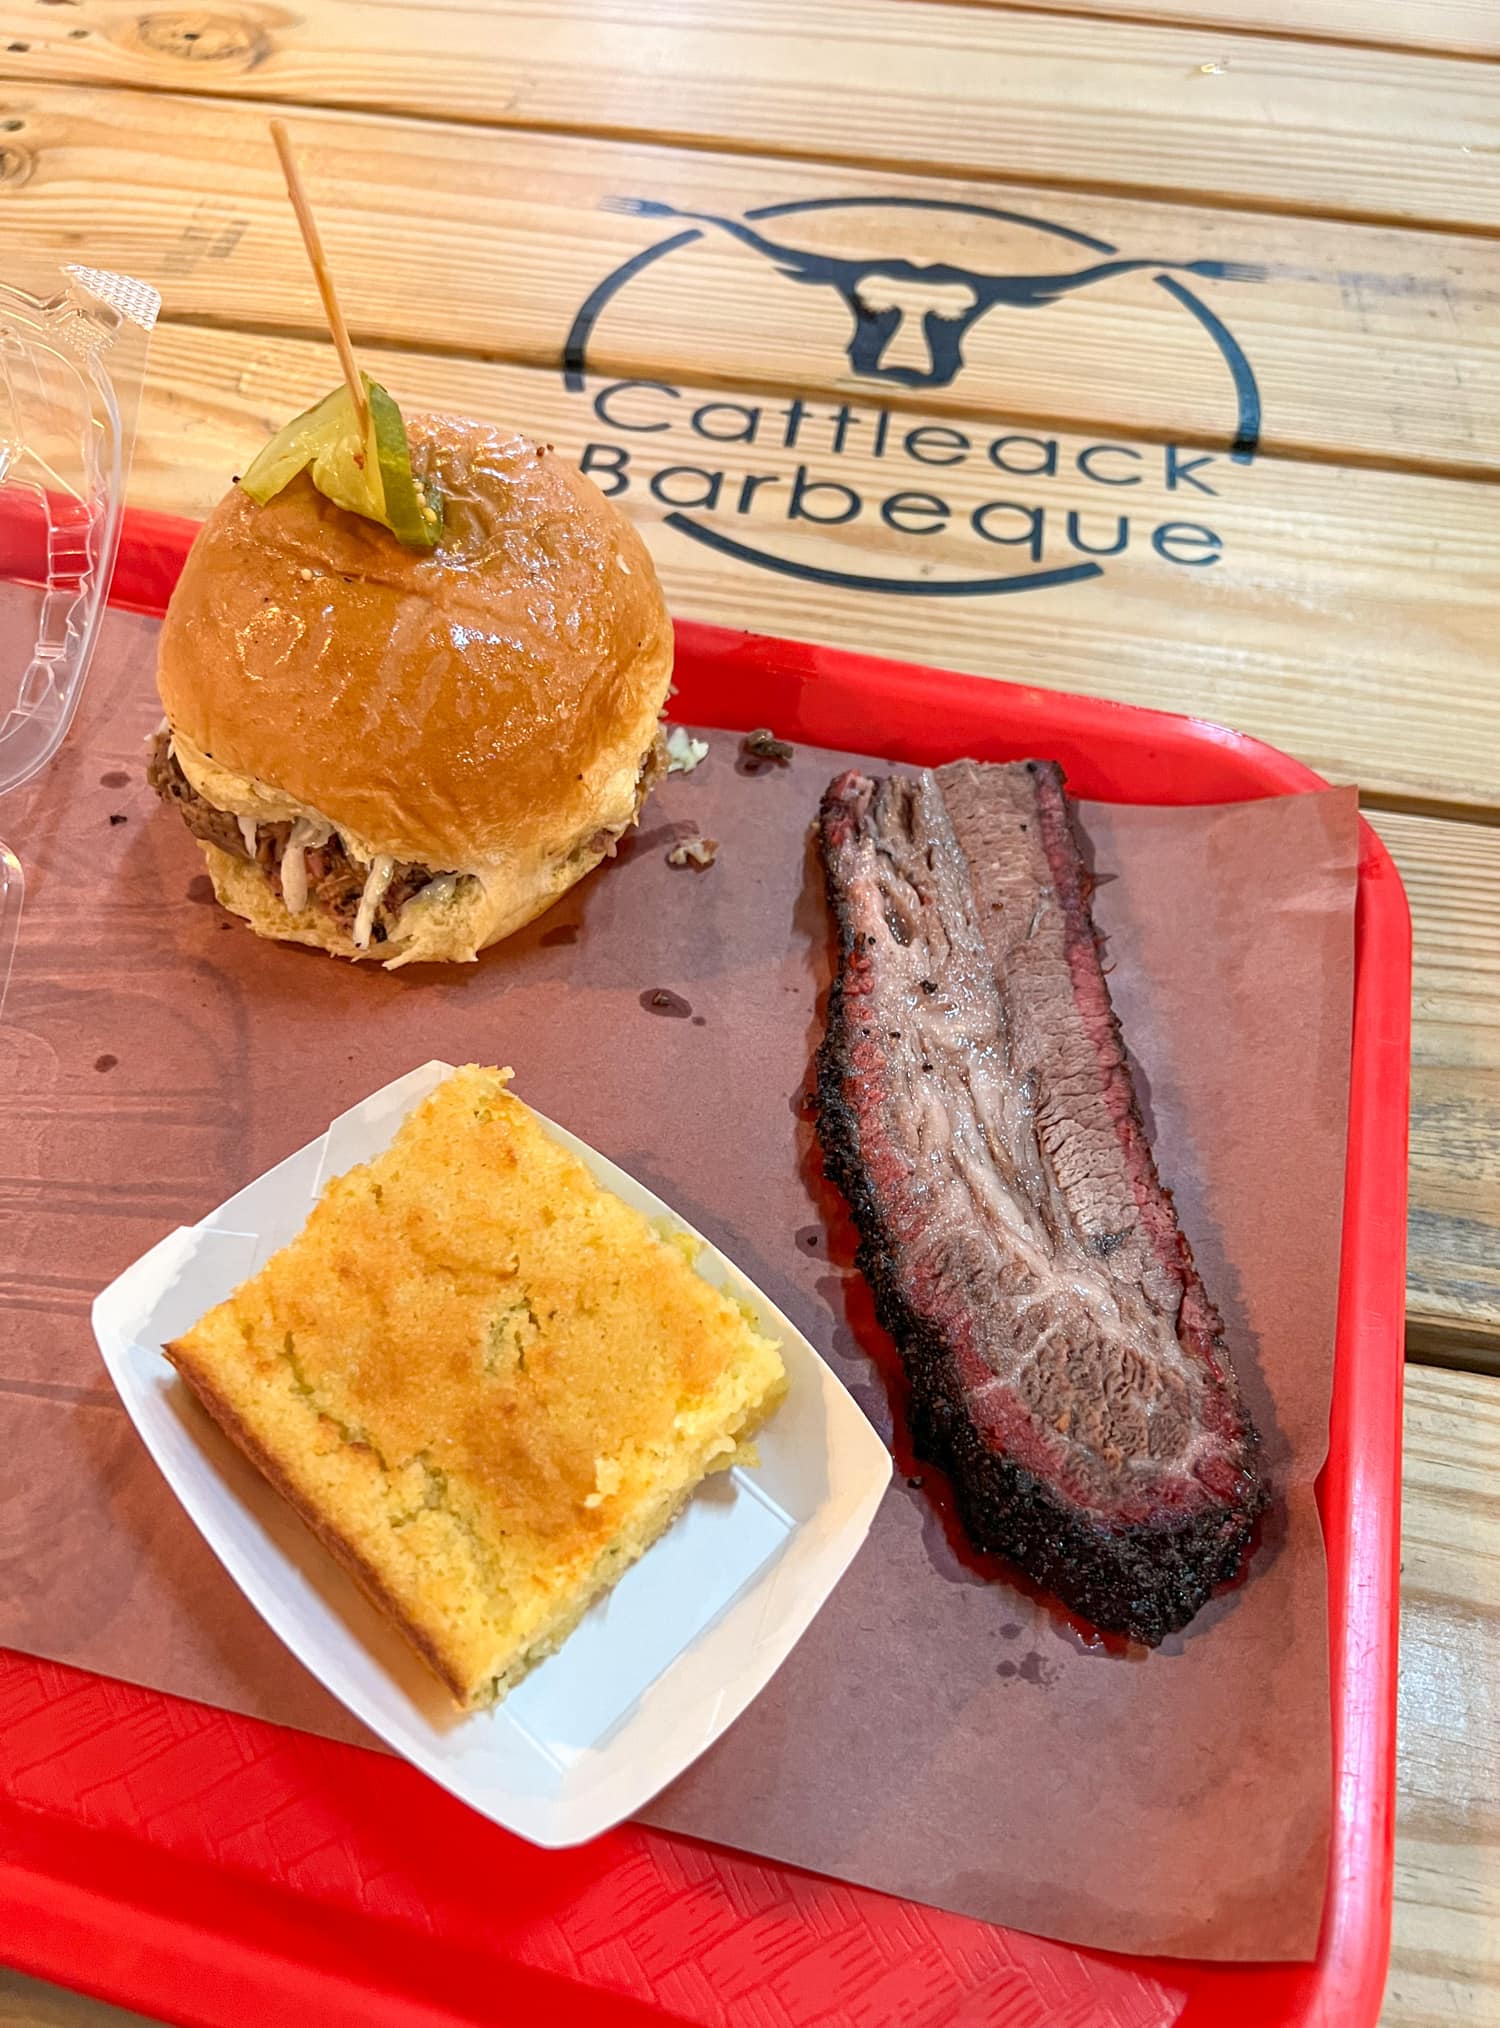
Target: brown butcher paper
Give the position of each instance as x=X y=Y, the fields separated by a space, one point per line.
x=941 y=1732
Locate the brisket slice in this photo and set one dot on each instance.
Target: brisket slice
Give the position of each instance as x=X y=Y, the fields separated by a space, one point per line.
x=976 y=1109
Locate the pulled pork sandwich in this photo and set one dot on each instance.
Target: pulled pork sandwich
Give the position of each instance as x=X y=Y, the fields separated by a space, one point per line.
x=413 y=688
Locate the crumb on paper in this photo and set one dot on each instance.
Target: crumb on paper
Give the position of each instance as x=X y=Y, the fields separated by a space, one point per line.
x=762 y=744
x=699 y=852
x=683 y=751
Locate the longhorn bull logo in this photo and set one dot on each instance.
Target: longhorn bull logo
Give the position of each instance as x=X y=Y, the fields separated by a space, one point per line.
x=886 y=295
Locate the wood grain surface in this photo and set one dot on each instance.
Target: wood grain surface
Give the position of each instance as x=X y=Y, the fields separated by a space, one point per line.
x=1369 y=345
x=1451 y=27
x=1452 y=877
x=1445 y=1956
x=1331 y=128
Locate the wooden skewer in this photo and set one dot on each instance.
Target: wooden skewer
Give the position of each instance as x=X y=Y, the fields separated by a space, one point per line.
x=336 y=325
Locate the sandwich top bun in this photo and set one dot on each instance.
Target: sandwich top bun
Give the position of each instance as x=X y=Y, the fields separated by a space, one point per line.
x=488 y=709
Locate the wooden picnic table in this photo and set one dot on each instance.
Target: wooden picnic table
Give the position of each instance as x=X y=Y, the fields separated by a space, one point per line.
x=1248 y=431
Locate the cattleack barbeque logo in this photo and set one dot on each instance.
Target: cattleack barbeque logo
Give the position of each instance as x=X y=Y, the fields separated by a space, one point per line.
x=1018 y=510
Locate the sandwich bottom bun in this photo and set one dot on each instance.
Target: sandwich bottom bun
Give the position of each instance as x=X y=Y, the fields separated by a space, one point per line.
x=452 y=921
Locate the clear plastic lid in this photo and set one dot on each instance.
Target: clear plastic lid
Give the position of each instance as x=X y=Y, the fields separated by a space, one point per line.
x=72 y=351
x=72 y=356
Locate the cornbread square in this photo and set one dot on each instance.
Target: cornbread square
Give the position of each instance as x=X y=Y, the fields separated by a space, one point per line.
x=484 y=1381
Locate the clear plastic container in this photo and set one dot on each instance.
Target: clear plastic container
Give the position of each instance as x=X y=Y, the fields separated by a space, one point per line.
x=72 y=357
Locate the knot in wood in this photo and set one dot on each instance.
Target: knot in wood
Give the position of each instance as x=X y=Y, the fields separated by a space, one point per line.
x=231 y=42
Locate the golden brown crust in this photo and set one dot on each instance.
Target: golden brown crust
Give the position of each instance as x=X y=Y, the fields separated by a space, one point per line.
x=492 y=700
x=338 y=1545
x=485 y=1382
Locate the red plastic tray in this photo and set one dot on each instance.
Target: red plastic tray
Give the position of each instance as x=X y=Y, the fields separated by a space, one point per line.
x=215 y=1870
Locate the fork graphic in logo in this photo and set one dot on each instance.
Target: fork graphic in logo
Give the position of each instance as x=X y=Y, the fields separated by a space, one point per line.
x=887 y=297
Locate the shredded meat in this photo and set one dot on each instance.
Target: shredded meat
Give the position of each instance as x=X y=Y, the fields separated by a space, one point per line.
x=335 y=882
x=762 y=744
x=216 y=827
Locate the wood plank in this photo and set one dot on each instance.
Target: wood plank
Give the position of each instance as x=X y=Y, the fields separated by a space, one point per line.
x=1311 y=630
x=1328 y=128
x=1449 y=27
x=1368 y=345
x=1452 y=877
x=1445 y=1957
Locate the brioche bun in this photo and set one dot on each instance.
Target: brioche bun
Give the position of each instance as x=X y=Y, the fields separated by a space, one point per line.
x=490 y=709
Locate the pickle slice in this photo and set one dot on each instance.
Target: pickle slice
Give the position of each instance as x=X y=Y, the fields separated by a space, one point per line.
x=295 y=445
x=369 y=476
x=413 y=515
x=345 y=468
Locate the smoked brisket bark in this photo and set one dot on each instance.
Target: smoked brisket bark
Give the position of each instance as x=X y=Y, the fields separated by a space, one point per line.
x=976 y=1109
